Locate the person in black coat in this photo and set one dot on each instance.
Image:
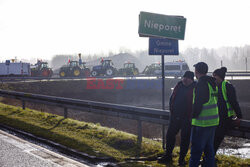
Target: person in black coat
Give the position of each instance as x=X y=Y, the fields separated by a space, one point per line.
x=180 y=106
x=229 y=109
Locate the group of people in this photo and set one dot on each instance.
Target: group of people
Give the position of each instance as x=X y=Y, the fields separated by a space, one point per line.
x=203 y=111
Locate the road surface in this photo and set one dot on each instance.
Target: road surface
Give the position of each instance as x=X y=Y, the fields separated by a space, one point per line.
x=16 y=152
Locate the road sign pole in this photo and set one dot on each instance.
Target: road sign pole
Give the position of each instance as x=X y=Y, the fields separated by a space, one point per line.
x=163 y=98
x=163 y=82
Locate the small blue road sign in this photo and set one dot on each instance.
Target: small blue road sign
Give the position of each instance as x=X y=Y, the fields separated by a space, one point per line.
x=163 y=46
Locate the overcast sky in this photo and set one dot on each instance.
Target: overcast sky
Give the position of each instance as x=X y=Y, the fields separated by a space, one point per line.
x=44 y=28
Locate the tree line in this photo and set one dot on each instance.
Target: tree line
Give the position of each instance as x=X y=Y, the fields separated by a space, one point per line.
x=234 y=58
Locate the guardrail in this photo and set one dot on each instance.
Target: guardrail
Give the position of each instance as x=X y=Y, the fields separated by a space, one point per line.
x=139 y=114
x=21 y=78
x=231 y=74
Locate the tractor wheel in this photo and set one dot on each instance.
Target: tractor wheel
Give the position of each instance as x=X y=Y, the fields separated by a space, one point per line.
x=62 y=74
x=94 y=73
x=76 y=72
x=109 y=72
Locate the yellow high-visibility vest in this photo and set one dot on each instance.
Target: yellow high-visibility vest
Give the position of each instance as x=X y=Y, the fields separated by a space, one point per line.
x=209 y=115
x=230 y=111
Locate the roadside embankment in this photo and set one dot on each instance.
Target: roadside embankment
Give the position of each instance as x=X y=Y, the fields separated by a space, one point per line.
x=94 y=139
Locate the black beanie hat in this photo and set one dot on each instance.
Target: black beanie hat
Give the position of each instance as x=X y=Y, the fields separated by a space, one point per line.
x=221 y=72
x=189 y=74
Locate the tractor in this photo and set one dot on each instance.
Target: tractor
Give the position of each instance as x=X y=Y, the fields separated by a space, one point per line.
x=41 y=69
x=128 y=69
x=106 y=68
x=152 y=69
x=74 y=69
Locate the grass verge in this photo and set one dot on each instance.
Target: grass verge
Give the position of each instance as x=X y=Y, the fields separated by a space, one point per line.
x=92 y=139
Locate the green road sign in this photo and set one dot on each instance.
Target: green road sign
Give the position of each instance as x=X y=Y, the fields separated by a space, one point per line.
x=157 y=25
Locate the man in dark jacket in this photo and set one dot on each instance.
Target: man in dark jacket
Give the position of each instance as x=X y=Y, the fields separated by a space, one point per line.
x=180 y=105
x=205 y=117
x=229 y=109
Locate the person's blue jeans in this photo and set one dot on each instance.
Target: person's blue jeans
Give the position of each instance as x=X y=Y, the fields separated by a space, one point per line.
x=202 y=140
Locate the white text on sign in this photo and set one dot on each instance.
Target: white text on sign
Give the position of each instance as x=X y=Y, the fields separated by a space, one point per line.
x=160 y=27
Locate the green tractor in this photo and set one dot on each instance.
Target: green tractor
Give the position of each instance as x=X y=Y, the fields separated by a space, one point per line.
x=128 y=69
x=152 y=69
x=74 y=69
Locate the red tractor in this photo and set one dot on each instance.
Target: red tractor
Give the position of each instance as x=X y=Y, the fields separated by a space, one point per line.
x=41 y=69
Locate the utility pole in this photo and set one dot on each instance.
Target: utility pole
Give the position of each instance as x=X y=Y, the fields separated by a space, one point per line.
x=221 y=64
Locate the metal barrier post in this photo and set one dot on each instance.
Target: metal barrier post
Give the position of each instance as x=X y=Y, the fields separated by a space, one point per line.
x=65 y=112
x=139 y=128
x=23 y=104
x=163 y=137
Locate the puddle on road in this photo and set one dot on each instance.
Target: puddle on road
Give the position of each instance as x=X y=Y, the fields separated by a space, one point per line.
x=241 y=152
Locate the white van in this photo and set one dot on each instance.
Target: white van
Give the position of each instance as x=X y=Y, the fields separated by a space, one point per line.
x=176 y=69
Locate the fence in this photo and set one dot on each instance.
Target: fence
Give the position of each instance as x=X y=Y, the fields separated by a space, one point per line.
x=139 y=114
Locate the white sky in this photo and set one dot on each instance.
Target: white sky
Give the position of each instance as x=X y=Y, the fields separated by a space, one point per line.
x=44 y=28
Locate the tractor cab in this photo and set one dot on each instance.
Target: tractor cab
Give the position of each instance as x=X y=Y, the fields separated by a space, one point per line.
x=73 y=64
x=107 y=63
x=43 y=65
x=40 y=65
x=129 y=65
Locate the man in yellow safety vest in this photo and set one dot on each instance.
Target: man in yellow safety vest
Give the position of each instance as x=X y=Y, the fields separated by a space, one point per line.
x=205 y=117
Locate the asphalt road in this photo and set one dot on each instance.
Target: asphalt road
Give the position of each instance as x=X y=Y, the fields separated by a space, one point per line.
x=16 y=152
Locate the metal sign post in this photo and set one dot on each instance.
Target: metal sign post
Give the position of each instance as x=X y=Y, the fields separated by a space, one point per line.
x=163 y=98
x=163 y=82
